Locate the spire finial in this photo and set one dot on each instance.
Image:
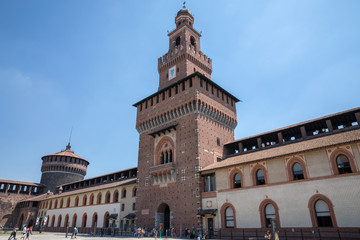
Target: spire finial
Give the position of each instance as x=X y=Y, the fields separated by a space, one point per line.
x=68 y=146
x=184 y=4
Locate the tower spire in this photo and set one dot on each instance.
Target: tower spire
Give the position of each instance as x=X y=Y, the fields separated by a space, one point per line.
x=68 y=147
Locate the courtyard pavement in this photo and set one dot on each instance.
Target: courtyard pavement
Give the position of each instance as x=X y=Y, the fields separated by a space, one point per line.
x=51 y=236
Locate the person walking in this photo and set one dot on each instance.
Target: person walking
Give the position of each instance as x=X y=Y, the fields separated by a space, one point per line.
x=13 y=234
x=23 y=236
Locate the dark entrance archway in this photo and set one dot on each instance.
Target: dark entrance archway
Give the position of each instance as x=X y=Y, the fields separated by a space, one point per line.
x=163 y=217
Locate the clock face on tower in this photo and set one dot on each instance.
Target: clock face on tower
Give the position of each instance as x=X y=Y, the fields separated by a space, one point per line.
x=172 y=72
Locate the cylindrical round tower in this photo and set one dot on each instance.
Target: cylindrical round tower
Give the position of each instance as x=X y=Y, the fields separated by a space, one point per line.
x=63 y=167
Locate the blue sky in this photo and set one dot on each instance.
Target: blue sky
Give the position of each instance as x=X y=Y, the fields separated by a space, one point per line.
x=82 y=64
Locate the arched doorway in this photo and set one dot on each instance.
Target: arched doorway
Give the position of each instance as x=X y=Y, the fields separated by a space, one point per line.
x=21 y=221
x=163 y=217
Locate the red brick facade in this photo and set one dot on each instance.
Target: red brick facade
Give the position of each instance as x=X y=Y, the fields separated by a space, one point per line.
x=182 y=128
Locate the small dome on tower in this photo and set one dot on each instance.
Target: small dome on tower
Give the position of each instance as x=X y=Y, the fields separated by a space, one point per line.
x=184 y=10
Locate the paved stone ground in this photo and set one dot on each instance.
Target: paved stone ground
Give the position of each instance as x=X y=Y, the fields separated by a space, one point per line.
x=51 y=236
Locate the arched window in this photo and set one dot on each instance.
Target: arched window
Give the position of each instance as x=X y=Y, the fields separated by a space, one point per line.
x=98 y=201
x=323 y=216
x=50 y=204
x=268 y=211
x=94 y=220
x=229 y=217
x=77 y=201
x=237 y=181
x=192 y=40
x=170 y=155
x=123 y=195
x=269 y=214
x=260 y=177
x=66 y=223
x=56 y=203
x=177 y=41
x=106 y=220
x=162 y=158
x=91 y=202
x=84 y=220
x=53 y=221
x=74 y=220
x=164 y=152
x=343 y=164
x=68 y=202
x=61 y=203
x=134 y=192
x=107 y=197
x=59 y=221
x=297 y=171
x=116 y=196
x=84 y=200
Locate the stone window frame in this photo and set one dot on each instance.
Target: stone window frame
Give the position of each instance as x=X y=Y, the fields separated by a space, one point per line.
x=262 y=207
x=254 y=171
x=232 y=175
x=160 y=148
x=289 y=167
x=223 y=215
x=311 y=206
x=333 y=163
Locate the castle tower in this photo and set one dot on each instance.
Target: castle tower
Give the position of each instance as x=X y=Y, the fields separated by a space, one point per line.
x=184 y=56
x=63 y=167
x=182 y=128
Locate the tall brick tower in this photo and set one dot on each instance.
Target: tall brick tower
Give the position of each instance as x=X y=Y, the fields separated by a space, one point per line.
x=182 y=127
x=62 y=167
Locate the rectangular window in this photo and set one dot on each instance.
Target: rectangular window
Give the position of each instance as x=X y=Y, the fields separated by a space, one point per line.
x=170 y=92
x=134 y=206
x=190 y=83
x=122 y=207
x=157 y=98
x=209 y=182
x=176 y=89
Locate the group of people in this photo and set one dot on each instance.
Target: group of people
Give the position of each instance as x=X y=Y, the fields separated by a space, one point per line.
x=26 y=231
x=192 y=234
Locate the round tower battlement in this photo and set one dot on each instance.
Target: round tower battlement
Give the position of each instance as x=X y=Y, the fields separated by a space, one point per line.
x=61 y=168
